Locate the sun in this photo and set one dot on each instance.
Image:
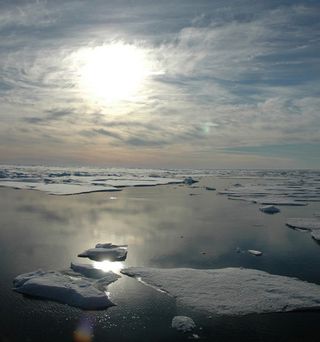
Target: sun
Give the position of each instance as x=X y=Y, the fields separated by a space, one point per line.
x=113 y=72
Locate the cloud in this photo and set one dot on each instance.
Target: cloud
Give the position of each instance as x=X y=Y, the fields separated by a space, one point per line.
x=226 y=74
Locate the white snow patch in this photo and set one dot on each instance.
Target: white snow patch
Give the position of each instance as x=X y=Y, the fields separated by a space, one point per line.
x=64 y=288
x=183 y=323
x=231 y=291
x=254 y=252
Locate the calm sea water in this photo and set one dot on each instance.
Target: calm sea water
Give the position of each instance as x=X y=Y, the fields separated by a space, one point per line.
x=164 y=227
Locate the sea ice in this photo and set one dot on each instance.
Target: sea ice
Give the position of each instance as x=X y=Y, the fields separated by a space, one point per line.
x=183 y=323
x=57 y=188
x=278 y=201
x=304 y=223
x=269 y=209
x=76 y=291
x=231 y=291
x=106 y=251
x=189 y=181
x=254 y=252
x=90 y=271
x=316 y=234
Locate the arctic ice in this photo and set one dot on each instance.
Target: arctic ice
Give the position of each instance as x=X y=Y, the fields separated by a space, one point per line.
x=231 y=291
x=63 y=287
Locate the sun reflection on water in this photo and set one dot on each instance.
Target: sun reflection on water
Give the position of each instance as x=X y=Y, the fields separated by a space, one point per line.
x=107 y=266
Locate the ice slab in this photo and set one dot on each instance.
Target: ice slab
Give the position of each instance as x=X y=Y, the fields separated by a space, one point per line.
x=304 y=223
x=106 y=251
x=183 y=323
x=269 y=209
x=315 y=234
x=254 y=252
x=90 y=271
x=58 y=189
x=69 y=181
x=189 y=181
x=278 y=201
x=231 y=291
x=76 y=291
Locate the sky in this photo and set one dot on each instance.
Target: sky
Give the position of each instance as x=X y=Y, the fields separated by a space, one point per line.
x=190 y=84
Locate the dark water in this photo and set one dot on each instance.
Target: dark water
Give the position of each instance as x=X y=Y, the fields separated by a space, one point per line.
x=164 y=227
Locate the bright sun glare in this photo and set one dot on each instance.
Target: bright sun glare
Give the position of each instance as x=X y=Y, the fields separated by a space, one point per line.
x=106 y=266
x=113 y=72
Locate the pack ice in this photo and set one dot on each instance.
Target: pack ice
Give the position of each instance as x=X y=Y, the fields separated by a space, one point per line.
x=66 y=287
x=310 y=224
x=231 y=291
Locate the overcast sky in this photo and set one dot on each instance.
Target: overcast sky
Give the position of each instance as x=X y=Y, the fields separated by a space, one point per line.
x=229 y=84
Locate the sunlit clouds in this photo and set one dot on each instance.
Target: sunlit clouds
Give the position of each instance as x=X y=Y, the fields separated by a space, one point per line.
x=114 y=72
x=159 y=84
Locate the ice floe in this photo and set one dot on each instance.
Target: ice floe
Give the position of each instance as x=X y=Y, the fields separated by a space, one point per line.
x=183 y=323
x=84 y=293
x=254 y=252
x=269 y=209
x=106 y=251
x=231 y=291
x=306 y=224
x=63 y=181
x=189 y=181
x=289 y=190
x=315 y=234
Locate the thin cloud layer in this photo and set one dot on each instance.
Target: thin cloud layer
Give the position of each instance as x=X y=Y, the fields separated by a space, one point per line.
x=225 y=80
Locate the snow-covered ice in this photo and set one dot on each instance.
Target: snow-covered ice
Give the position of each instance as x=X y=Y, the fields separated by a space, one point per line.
x=70 y=181
x=315 y=234
x=254 y=252
x=62 y=287
x=231 y=291
x=304 y=223
x=106 y=251
x=269 y=209
x=183 y=323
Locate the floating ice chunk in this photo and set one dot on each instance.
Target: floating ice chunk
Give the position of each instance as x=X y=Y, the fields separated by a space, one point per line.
x=231 y=291
x=316 y=234
x=269 y=209
x=109 y=245
x=58 y=188
x=63 y=288
x=183 y=323
x=254 y=252
x=304 y=223
x=105 y=252
x=90 y=271
x=278 y=201
x=189 y=181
